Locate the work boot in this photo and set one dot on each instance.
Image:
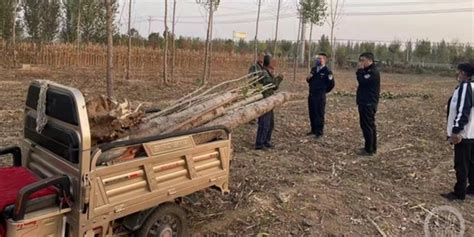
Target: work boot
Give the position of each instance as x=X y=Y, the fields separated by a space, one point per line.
x=470 y=190
x=259 y=147
x=310 y=134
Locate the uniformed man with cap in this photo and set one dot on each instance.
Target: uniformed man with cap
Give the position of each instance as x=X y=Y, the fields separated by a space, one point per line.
x=368 y=93
x=321 y=82
x=460 y=131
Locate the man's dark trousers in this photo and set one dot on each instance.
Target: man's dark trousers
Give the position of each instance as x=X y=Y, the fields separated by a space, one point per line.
x=464 y=166
x=317 y=109
x=265 y=128
x=367 y=124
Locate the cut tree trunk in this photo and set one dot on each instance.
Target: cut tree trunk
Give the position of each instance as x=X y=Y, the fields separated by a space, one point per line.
x=250 y=112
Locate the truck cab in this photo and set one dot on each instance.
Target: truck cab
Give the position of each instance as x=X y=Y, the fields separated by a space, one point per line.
x=60 y=185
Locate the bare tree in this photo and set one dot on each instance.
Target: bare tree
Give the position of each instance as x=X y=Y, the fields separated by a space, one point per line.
x=256 y=31
x=211 y=6
x=173 y=62
x=335 y=14
x=165 y=50
x=276 y=30
x=314 y=12
x=110 y=42
x=14 y=14
x=295 y=59
x=129 y=51
x=78 y=26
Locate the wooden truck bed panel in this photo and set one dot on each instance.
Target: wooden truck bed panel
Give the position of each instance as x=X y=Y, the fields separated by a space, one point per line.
x=177 y=167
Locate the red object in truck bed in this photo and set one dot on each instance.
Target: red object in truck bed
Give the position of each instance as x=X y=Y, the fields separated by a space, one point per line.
x=12 y=180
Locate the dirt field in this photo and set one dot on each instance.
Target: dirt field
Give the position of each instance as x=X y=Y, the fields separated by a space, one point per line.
x=304 y=186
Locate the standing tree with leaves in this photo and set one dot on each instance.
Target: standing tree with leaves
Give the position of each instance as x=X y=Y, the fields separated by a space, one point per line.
x=41 y=19
x=422 y=50
x=394 y=49
x=314 y=12
x=211 y=6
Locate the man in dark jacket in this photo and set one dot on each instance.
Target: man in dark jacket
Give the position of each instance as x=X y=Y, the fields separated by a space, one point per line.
x=258 y=65
x=460 y=131
x=368 y=93
x=321 y=82
x=266 y=122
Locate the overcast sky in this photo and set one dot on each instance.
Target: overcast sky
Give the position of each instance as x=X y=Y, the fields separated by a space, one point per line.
x=388 y=20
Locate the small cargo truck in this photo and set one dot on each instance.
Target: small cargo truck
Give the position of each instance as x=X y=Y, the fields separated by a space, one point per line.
x=58 y=184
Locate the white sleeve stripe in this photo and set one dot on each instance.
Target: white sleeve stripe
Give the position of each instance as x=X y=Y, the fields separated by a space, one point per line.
x=463 y=97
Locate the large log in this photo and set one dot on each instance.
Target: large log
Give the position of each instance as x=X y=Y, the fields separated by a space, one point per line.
x=166 y=123
x=251 y=111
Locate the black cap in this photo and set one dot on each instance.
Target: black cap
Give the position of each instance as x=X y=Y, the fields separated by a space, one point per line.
x=367 y=55
x=323 y=54
x=466 y=68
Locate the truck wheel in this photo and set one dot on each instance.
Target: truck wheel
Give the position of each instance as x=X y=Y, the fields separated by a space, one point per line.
x=168 y=220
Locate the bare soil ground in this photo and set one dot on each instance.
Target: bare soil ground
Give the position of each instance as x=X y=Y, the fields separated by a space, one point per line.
x=304 y=187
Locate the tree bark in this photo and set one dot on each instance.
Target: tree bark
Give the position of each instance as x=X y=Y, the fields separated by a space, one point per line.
x=110 y=64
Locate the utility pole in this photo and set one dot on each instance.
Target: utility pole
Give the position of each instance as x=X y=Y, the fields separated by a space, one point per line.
x=276 y=30
x=129 y=58
x=173 y=63
x=256 y=32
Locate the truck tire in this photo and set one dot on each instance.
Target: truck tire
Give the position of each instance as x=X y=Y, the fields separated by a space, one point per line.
x=168 y=220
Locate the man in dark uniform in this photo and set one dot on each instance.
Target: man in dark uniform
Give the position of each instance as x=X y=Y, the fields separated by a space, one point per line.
x=460 y=131
x=368 y=93
x=266 y=122
x=321 y=82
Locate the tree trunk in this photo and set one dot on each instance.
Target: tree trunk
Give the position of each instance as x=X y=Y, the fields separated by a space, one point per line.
x=165 y=50
x=161 y=124
x=276 y=30
x=173 y=63
x=256 y=32
x=251 y=111
x=110 y=65
x=15 y=7
x=129 y=50
x=78 y=30
x=206 y=53
x=333 y=53
x=309 y=46
x=210 y=46
x=295 y=60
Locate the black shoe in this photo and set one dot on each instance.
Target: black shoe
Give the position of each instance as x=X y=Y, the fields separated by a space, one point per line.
x=453 y=196
x=310 y=134
x=269 y=145
x=319 y=136
x=363 y=152
x=470 y=190
x=259 y=147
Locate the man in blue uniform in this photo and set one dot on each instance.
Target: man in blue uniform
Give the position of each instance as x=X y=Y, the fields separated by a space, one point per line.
x=321 y=82
x=368 y=93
